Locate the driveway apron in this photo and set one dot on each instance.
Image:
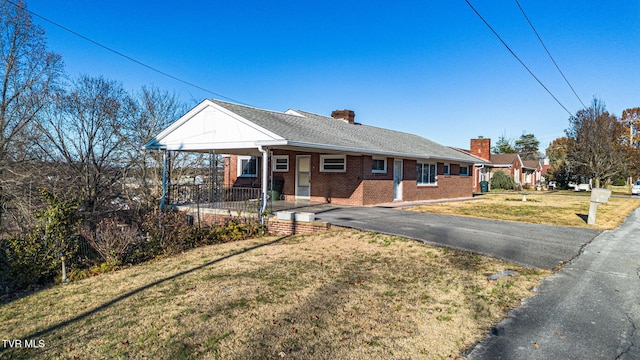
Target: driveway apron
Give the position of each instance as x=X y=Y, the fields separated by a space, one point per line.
x=530 y=245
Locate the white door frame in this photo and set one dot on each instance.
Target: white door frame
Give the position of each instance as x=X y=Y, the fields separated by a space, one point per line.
x=298 y=195
x=397 y=179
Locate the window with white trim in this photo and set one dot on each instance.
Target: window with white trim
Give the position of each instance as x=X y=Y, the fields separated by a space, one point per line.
x=280 y=163
x=379 y=165
x=426 y=174
x=447 y=169
x=247 y=166
x=464 y=170
x=333 y=163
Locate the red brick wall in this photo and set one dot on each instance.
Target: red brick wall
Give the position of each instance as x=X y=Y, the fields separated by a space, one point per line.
x=359 y=185
x=409 y=178
x=377 y=187
x=377 y=191
x=230 y=163
x=335 y=187
x=231 y=173
x=339 y=188
x=448 y=187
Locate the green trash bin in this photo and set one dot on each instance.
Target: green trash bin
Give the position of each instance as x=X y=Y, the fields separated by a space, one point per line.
x=484 y=186
x=274 y=195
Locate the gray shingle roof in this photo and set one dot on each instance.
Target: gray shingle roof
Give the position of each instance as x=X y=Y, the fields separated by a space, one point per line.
x=326 y=131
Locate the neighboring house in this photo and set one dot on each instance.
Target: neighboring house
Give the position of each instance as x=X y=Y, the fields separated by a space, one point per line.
x=531 y=172
x=525 y=173
x=320 y=158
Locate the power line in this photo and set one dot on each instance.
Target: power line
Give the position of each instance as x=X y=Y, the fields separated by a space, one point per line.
x=163 y=73
x=548 y=53
x=517 y=58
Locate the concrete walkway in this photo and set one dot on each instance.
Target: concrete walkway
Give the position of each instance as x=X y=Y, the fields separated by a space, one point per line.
x=589 y=310
x=530 y=245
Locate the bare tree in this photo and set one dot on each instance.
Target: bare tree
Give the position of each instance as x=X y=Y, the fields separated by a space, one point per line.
x=595 y=147
x=29 y=78
x=85 y=131
x=156 y=109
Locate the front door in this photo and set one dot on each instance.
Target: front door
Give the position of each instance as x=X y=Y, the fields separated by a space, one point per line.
x=303 y=176
x=397 y=180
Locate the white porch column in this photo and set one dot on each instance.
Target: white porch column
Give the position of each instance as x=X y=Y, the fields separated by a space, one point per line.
x=265 y=177
x=165 y=159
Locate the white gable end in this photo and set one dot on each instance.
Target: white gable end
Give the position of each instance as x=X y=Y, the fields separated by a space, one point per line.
x=211 y=127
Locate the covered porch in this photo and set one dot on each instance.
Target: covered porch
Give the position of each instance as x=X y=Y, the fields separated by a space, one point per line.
x=211 y=128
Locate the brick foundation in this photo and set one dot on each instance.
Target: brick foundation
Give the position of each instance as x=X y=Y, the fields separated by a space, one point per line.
x=274 y=226
x=288 y=227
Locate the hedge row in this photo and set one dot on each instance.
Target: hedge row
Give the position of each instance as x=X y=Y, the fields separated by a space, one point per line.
x=35 y=258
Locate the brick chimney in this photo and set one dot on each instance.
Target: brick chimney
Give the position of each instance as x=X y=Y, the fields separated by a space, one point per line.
x=481 y=147
x=347 y=115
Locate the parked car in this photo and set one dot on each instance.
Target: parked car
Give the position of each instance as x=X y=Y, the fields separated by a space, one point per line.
x=635 y=188
x=580 y=187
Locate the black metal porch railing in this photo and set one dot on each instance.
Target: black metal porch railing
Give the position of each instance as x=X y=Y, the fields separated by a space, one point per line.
x=227 y=197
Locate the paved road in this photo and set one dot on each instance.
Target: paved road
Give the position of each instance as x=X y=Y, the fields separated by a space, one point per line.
x=526 y=244
x=589 y=310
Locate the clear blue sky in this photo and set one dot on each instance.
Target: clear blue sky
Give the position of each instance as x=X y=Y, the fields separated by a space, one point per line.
x=432 y=68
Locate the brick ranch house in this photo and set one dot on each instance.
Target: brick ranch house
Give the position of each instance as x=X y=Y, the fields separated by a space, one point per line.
x=319 y=158
x=525 y=173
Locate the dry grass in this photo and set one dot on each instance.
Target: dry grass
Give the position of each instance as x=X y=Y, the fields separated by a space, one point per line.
x=564 y=209
x=335 y=295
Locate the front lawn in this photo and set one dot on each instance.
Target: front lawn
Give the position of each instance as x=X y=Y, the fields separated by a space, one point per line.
x=334 y=295
x=566 y=209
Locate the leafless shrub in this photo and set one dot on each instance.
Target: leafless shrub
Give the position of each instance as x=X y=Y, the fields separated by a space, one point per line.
x=112 y=240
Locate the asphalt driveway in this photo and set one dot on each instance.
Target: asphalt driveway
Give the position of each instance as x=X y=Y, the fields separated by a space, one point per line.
x=589 y=310
x=531 y=245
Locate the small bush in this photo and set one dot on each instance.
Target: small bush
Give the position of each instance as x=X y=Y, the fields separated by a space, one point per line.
x=79 y=274
x=233 y=230
x=31 y=261
x=35 y=257
x=619 y=182
x=501 y=180
x=170 y=232
x=112 y=240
